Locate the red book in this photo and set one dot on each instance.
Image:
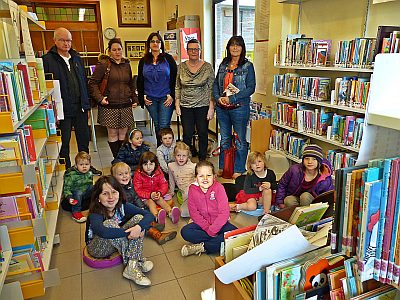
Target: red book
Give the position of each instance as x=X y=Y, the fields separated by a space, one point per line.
x=27 y=85
x=30 y=142
x=239 y=231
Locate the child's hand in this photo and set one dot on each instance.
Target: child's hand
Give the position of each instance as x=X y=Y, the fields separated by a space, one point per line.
x=265 y=186
x=134 y=232
x=281 y=206
x=154 y=196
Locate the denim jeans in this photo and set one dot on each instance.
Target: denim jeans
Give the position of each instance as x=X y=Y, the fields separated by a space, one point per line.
x=160 y=114
x=81 y=197
x=238 y=119
x=195 y=235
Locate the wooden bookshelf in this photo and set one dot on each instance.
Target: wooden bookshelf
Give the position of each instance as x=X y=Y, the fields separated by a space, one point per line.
x=287 y=155
x=321 y=68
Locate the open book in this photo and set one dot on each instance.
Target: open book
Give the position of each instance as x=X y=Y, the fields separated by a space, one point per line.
x=231 y=90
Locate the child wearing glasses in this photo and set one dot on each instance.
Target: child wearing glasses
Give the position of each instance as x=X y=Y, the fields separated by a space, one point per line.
x=132 y=149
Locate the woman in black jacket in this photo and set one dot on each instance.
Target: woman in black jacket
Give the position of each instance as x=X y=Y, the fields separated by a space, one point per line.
x=156 y=83
x=115 y=104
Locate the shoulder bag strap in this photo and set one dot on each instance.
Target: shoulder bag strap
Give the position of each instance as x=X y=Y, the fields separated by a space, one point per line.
x=104 y=82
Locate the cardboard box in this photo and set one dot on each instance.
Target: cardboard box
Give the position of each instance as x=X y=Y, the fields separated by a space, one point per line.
x=189 y=21
x=171 y=24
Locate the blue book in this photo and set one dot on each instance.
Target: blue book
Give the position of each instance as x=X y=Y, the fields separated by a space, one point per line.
x=369 y=229
x=260 y=285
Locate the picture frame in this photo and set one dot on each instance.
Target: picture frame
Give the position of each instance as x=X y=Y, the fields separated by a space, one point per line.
x=134 y=13
x=135 y=50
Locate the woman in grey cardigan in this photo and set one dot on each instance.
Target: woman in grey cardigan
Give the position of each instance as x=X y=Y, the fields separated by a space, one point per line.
x=193 y=102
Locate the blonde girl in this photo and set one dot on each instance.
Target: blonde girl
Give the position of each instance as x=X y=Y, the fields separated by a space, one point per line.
x=258 y=185
x=181 y=174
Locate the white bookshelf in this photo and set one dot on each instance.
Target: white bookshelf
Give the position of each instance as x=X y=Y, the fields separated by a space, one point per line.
x=322 y=68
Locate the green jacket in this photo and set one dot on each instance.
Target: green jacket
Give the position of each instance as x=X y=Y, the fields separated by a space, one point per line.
x=75 y=180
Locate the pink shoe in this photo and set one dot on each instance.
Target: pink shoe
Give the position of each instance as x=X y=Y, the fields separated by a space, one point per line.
x=161 y=216
x=175 y=215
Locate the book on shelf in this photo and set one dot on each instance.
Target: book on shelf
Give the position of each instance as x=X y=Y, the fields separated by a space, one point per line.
x=385 y=39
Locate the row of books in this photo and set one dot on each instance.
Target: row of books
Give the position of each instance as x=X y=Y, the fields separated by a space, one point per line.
x=388 y=39
x=258 y=111
x=347 y=130
x=302 y=50
x=21 y=85
x=367 y=217
x=351 y=91
x=288 y=142
x=357 y=53
x=341 y=159
x=306 y=88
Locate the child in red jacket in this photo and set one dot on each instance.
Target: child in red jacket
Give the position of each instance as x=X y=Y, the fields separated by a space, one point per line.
x=152 y=187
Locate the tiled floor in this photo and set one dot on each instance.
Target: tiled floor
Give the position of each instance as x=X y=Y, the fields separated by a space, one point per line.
x=173 y=276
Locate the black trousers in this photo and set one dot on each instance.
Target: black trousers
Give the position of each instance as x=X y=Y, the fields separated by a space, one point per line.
x=195 y=118
x=82 y=135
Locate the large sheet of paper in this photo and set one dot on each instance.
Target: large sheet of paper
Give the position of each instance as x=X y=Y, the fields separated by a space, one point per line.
x=58 y=100
x=288 y=244
x=261 y=28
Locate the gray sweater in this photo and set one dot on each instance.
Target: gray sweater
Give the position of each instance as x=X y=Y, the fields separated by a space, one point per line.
x=194 y=89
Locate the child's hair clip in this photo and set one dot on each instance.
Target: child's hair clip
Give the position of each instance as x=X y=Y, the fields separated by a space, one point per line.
x=133 y=131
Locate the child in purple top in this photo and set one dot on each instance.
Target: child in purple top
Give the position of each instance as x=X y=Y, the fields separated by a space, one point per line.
x=303 y=182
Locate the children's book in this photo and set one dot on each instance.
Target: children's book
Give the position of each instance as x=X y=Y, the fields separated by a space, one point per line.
x=236 y=241
x=308 y=214
x=8 y=210
x=289 y=282
x=383 y=205
x=268 y=227
x=369 y=229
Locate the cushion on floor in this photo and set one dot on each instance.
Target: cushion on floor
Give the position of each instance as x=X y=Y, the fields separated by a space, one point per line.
x=101 y=263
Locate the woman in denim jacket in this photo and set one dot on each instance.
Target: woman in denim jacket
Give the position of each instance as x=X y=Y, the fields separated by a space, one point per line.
x=233 y=104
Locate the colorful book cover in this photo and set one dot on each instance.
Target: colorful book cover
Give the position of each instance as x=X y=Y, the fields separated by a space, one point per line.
x=290 y=279
x=309 y=214
x=8 y=210
x=383 y=205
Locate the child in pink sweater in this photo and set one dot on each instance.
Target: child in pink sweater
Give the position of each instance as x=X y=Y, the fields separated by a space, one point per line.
x=209 y=210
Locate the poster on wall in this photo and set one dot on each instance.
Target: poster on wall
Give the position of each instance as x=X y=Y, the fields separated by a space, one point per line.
x=187 y=34
x=134 y=13
x=171 y=43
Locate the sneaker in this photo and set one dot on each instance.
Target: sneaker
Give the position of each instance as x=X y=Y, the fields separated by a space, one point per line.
x=133 y=272
x=73 y=201
x=162 y=214
x=192 y=249
x=161 y=237
x=78 y=217
x=175 y=214
x=158 y=226
x=146 y=265
x=95 y=171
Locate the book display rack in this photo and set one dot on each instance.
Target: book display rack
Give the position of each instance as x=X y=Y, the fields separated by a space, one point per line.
x=30 y=174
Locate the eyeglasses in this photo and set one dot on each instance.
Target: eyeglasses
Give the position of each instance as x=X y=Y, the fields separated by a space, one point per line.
x=155 y=42
x=235 y=44
x=193 y=49
x=65 y=41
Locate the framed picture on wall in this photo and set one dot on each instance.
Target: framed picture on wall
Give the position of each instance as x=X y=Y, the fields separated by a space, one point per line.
x=135 y=50
x=134 y=13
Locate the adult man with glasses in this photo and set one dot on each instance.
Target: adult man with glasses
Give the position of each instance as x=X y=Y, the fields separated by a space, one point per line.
x=66 y=66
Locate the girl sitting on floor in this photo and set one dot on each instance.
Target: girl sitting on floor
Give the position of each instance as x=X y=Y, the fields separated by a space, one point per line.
x=258 y=185
x=209 y=210
x=114 y=225
x=152 y=187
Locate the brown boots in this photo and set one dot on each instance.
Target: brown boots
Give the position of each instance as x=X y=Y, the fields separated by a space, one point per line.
x=161 y=237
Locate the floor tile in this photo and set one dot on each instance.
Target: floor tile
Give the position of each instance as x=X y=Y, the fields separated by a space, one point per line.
x=68 y=263
x=161 y=272
x=70 y=288
x=184 y=266
x=65 y=223
x=242 y=219
x=128 y=296
x=169 y=290
x=175 y=244
x=193 y=285
x=151 y=247
x=104 y=283
x=69 y=241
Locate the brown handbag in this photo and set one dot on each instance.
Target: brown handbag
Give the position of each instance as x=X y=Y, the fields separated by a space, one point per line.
x=104 y=82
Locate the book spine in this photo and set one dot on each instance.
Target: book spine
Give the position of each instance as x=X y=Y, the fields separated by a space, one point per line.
x=383 y=204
